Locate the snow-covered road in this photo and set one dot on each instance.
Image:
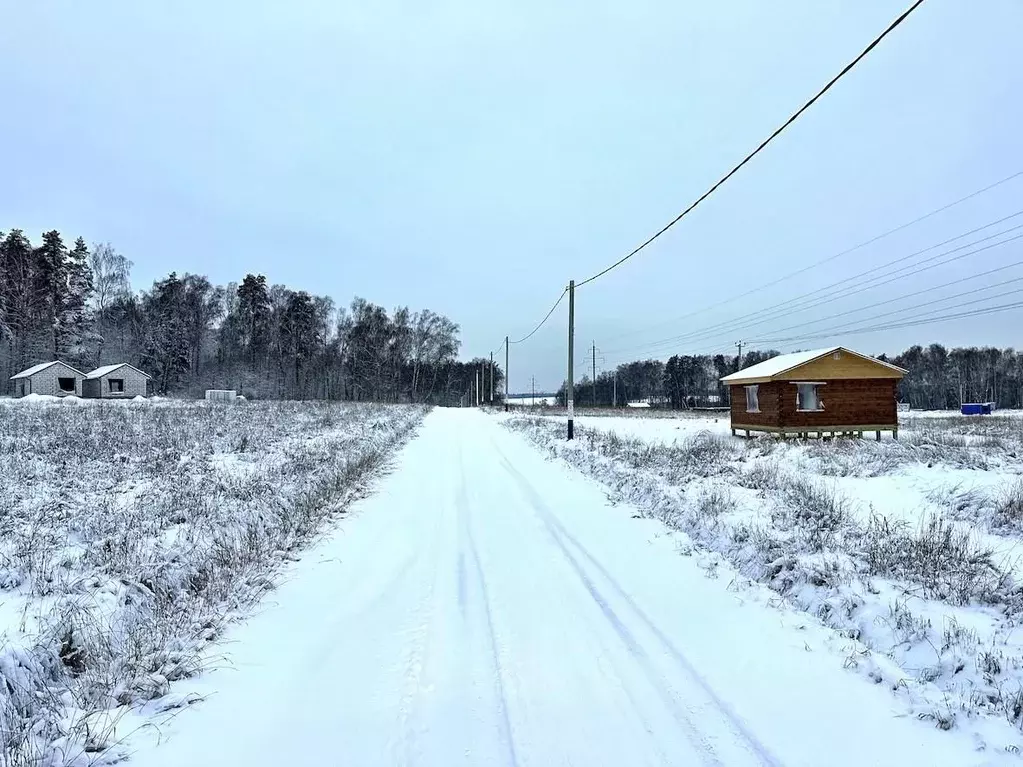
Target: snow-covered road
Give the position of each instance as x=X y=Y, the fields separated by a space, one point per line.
x=488 y=607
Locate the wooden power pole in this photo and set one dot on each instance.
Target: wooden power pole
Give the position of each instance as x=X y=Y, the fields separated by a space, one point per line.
x=570 y=384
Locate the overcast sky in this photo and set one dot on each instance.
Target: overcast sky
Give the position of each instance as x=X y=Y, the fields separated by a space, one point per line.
x=472 y=157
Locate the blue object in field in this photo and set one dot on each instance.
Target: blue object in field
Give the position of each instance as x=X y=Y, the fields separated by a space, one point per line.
x=977 y=408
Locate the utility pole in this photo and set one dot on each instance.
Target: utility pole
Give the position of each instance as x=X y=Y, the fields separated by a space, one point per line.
x=506 y=374
x=594 y=374
x=570 y=384
x=738 y=360
x=532 y=387
x=491 y=379
x=615 y=398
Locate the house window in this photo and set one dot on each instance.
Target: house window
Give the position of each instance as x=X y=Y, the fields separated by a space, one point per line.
x=116 y=385
x=808 y=397
x=752 y=400
x=66 y=384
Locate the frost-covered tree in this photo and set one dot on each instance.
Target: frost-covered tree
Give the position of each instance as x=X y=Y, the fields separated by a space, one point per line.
x=111 y=274
x=165 y=342
x=73 y=321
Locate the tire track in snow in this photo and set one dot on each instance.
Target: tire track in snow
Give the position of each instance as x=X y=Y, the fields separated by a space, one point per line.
x=460 y=577
x=684 y=713
x=405 y=750
x=466 y=528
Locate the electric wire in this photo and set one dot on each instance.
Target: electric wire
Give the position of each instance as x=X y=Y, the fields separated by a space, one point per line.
x=916 y=322
x=905 y=14
x=543 y=321
x=813 y=299
x=845 y=252
x=839 y=328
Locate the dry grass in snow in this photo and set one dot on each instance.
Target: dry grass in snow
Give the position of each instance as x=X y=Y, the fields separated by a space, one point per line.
x=131 y=532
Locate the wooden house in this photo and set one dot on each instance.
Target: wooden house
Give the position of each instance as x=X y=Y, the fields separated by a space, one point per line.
x=55 y=379
x=117 y=381
x=825 y=391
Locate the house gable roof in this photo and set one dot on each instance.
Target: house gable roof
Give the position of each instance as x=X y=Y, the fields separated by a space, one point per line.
x=785 y=363
x=107 y=369
x=29 y=372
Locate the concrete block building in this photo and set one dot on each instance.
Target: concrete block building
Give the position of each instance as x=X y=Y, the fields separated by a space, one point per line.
x=55 y=379
x=117 y=381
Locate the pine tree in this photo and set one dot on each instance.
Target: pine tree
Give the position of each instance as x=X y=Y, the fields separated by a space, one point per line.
x=61 y=285
x=165 y=345
x=254 y=317
x=300 y=337
x=16 y=271
x=49 y=281
x=76 y=289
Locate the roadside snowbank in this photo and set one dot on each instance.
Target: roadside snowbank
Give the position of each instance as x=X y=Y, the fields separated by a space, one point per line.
x=133 y=535
x=925 y=606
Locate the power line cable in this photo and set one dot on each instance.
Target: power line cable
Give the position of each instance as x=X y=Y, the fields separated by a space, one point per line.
x=621 y=360
x=763 y=144
x=835 y=328
x=913 y=323
x=845 y=252
x=894 y=276
x=909 y=322
x=917 y=293
x=813 y=299
x=544 y=320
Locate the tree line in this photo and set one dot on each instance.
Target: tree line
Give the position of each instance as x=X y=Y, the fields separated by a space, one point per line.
x=937 y=378
x=77 y=304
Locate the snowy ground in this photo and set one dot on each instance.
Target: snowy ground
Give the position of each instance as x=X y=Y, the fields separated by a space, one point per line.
x=487 y=606
x=910 y=550
x=707 y=601
x=133 y=533
x=538 y=401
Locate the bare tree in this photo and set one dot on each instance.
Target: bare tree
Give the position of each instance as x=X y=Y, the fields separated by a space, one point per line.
x=111 y=273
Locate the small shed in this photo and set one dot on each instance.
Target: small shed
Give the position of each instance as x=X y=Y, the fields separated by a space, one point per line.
x=117 y=381
x=56 y=379
x=824 y=391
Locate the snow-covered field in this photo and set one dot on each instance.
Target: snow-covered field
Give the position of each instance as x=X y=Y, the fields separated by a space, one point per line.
x=133 y=533
x=538 y=401
x=909 y=550
x=485 y=606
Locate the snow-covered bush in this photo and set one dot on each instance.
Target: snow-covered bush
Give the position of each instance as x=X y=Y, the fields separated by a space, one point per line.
x=1008 y=508
x=130 y=533
x=944 y=559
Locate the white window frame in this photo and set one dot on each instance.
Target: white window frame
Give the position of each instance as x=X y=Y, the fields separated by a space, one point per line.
x=816 y=394
x=753 y=389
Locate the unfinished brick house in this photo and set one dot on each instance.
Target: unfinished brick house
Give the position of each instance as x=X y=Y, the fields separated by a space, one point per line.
x=54 y=379
x=821 y=392
x=117 y=381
